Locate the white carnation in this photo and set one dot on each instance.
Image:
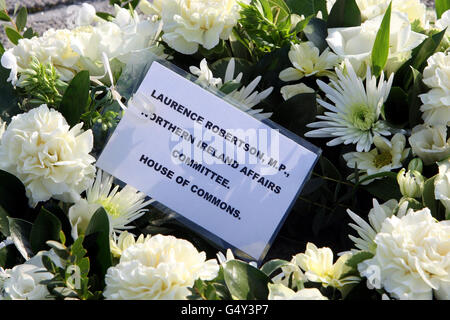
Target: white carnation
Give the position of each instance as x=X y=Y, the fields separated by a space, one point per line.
x=188 y=24
x=82 y=48
x=50 y=158
x=436 y=103
x=412 y=256
x=23 y=283
x=163 y=267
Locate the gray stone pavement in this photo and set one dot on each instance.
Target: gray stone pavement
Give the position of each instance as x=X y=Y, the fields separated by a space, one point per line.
x=46 y=14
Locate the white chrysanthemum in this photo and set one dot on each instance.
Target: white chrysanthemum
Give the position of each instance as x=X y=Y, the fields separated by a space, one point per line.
x=436 y=103
x=281 y=292
x=223 y=259
x=119 y=244
x=442 y=184
x=368 y=231
x=356 y=43
x=188 y=24
x=318 y=266
x=161 y=268
x=355 y=115
x=245 y=98
x=123 y=207
x=386 y=156
x=23 y=283
x=412 y=256
x=308 y=61
x=430 y=143
x=205 y=76
x=82 y=48
x=50 y=158
x=292 y=90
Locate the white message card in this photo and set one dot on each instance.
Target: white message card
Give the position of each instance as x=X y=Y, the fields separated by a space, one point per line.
x=212 y=163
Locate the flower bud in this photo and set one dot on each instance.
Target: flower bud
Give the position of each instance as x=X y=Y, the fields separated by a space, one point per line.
x=415 y=165
x=411 y=183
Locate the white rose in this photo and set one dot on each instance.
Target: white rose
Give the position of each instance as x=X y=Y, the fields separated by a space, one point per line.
x=411 y=258
x=23 y=283
x=188 y=24
x=430 y=143
x=442 y=184
x=436 y=103
x=415 y=9
x=163 y=267
x=356 y=43
x=49 y=158
x=444 y=22
x=281 y=292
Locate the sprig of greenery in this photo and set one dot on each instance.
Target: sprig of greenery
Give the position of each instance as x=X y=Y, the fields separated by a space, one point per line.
x=42 y=84
x=70 y=281
x=266 y=25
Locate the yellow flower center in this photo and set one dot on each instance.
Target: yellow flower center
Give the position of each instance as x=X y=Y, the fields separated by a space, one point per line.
x=111 y=208
x=382 y=159
x=362 y=117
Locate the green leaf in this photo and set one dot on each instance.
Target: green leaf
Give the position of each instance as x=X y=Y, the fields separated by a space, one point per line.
x=308 y=7
x=245 y=282
x=4 y=225
x=229 y=87
x=2 y=49
x=380 y=51
x=21 y=19
x=267 y=11
x=316 y=31
x=387 y=188
x=46 y=227
x=29 y=33
x=418 y=61
x=414 y=101
x=353 y=262
x=76 y=97
x=20 y=233
x=8 y=97
x=441 y=7
x=105 y=16
x=345 y=13
x=429 y=199
x=12 y=35
x=219 y=68
x=12 y=195
x=273 y=265
x=396 y=107
x=4 y=16
x=96 y=242
x=295 y=113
